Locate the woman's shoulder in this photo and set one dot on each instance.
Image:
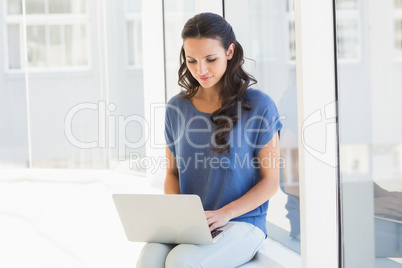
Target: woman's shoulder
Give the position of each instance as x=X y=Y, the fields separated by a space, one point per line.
x=258 y=98
x=177 y=100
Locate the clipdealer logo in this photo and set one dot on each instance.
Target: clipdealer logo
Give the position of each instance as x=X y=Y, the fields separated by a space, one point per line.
x=111 y=131
x=200 y=161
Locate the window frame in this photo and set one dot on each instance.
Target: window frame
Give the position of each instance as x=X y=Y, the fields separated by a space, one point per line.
x=352 y=15
x=320 y=211
x=136 y=19
x=46 y=20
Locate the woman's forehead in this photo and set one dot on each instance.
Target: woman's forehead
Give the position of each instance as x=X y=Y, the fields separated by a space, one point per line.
x=201 y=47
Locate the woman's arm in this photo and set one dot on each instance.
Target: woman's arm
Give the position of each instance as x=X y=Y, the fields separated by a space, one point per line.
x=172 y=174
x=269 y=157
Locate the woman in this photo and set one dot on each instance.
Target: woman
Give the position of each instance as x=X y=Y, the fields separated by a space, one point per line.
x=222 y=144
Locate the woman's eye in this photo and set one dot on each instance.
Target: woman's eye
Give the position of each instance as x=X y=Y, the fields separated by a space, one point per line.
x=194 y=61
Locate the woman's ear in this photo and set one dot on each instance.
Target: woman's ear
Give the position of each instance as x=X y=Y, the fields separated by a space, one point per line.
x=230 y=51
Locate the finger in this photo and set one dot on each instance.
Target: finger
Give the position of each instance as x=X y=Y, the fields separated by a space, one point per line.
x=213 y=227
x=209 y=214
x=211 y=221
x=216 y=225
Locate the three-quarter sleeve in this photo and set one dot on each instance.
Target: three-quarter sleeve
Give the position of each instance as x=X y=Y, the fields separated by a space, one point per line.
x=269 y=124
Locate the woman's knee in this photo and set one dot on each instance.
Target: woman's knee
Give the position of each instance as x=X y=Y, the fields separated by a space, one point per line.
x=181 y=256
x=153 y=255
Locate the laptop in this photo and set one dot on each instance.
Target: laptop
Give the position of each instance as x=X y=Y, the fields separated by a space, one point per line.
x=172 y=219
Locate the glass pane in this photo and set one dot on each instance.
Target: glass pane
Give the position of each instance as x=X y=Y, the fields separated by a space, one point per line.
x=61 y=136
x=398 y=38
x=126 y=87
x=78 y=6
x=370 y=124
x=291 y=5
x=13 y=124
x=346 y=4
x=36 y=46
x=67 y=6
x=35 y=6
x=14 y=7
x=139 y=44
x=134 y=43
x=13 y=45
x=59 y=6
x=348 y=39
x=292 y=41
x=176 y=15
x=76 y=45
x=133 y=5
x=56 y=48
x=14 y=152
x=269 y=49
x=130 y=42
x=189 y=6
x=262 y=47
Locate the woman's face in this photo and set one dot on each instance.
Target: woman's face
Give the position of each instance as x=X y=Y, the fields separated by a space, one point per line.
x=206 y=60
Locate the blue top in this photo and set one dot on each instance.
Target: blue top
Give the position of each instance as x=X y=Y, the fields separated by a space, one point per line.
x=221 y=178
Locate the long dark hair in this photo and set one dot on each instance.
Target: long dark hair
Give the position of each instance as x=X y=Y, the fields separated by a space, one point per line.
x=234 y=83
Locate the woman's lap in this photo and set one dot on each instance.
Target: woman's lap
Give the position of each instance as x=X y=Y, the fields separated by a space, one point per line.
x=235 y=248
x=154 y=255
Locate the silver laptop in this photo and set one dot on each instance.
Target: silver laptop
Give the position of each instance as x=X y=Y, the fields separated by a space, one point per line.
x=173 y=219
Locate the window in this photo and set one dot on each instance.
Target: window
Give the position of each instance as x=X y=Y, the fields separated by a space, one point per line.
x=134 y=33
x=370 y=101
x=262 y=17
x=291 y=30
x=177 y=12
x=77 y=50
x=398 y=29
x=57 y=35
x=347 y=4
x=348 y=30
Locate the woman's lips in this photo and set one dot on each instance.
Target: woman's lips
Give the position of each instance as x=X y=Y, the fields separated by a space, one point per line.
x=205 y=78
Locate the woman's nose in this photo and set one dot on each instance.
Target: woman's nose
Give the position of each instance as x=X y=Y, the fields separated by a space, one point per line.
x=202 y=69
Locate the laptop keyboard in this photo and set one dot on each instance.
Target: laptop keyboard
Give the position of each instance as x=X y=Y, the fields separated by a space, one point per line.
x=216 y=232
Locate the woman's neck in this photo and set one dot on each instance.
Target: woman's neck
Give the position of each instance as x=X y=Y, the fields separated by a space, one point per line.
x=210 y=95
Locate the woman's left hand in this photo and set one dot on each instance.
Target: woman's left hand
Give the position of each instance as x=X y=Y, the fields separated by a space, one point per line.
x=217 y=218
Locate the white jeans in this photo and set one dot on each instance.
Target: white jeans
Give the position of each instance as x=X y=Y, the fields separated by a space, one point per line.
x=235 y=248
